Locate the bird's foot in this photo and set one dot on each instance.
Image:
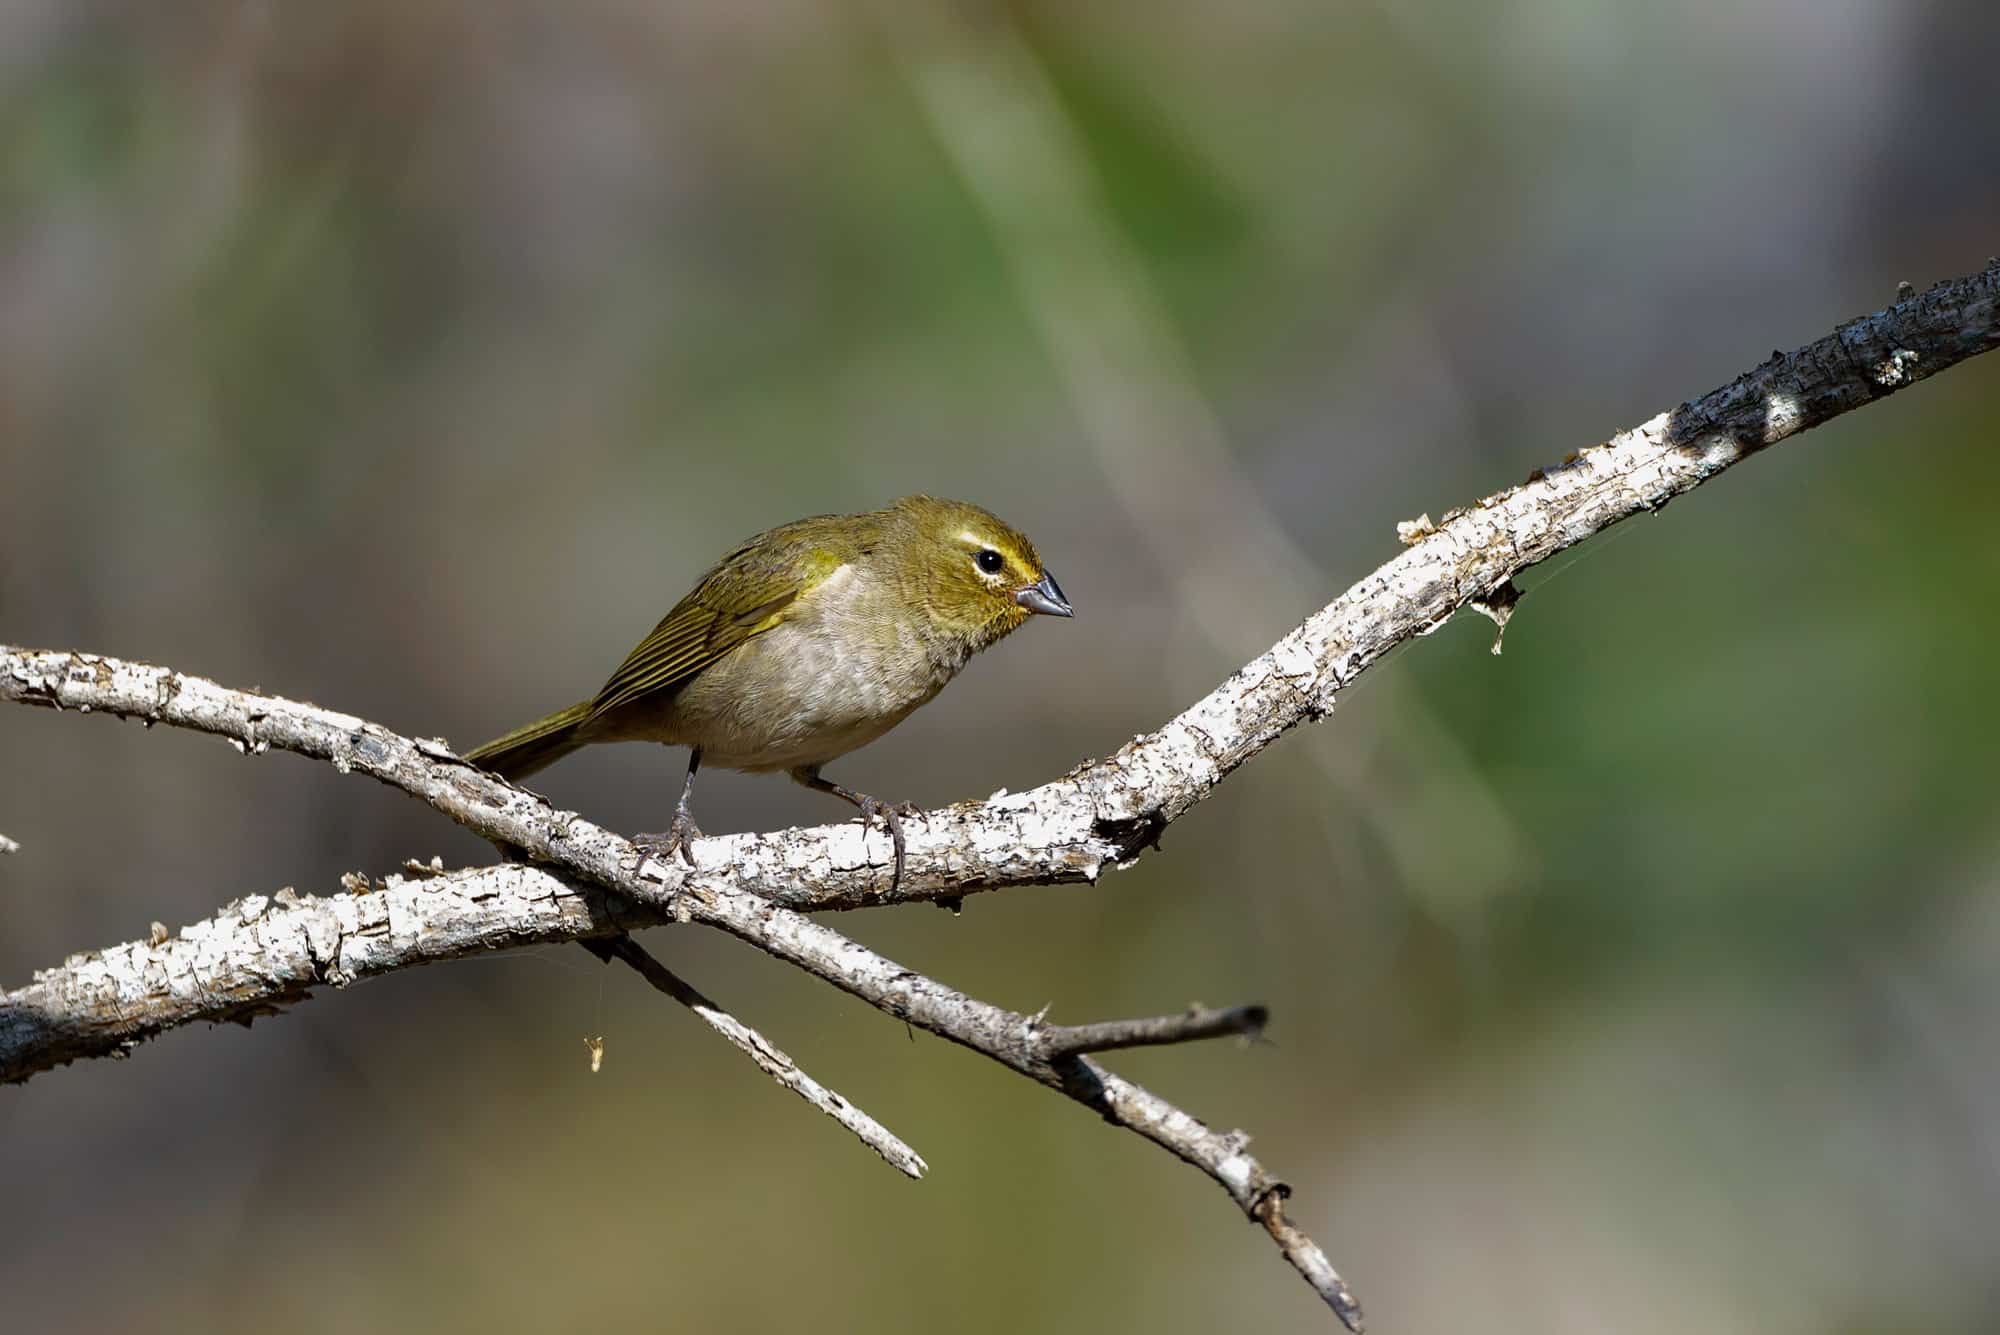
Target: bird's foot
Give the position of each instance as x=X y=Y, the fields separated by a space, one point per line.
x=891 y=815
x=666 y=843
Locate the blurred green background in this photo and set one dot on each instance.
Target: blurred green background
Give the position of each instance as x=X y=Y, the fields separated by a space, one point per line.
x=411 y=358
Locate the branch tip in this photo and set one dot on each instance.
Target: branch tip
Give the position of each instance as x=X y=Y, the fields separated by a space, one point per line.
x=1057 y=1042
x=1306 y=1256
x=761 y=1051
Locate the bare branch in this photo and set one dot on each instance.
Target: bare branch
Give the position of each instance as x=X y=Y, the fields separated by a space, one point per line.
x=1107 y=811
x=1197 y=1022
x=768 y=1059
x=260 y=954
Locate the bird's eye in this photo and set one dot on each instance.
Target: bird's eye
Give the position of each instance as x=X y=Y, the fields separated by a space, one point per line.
x=990 y=561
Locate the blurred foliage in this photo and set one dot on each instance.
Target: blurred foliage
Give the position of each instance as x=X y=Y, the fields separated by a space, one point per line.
x=412 y=358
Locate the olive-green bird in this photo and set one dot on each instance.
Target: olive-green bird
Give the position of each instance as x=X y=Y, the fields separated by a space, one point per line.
x=801 y=645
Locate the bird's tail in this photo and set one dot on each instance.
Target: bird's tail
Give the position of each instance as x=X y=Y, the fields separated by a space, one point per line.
x=525 y=750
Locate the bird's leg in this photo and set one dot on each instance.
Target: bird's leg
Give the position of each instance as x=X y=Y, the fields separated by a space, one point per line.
x=677 y=837
x=891 y=813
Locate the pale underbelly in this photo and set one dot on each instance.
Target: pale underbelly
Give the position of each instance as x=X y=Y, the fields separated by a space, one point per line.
x=782 y=701
x=776 y=749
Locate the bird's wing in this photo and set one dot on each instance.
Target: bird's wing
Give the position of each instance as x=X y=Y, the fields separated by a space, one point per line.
x=752 y=589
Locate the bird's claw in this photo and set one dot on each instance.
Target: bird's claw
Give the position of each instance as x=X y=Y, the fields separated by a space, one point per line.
x=891 y=814
x=666 y=843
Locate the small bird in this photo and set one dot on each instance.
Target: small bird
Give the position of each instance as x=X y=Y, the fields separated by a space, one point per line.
x=801 y=645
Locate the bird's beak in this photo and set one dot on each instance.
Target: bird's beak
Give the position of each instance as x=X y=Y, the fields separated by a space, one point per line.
x=1045 y=597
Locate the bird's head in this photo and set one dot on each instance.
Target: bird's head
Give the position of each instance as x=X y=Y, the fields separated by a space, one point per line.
x=975 y=576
